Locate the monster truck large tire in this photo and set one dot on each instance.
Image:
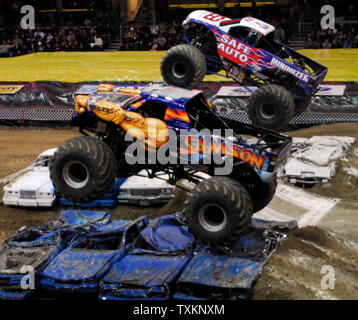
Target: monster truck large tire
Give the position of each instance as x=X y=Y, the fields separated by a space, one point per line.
x=262 y=194
x=183 y=66
x=271 y=107
x=83 y=169
x=218 y=210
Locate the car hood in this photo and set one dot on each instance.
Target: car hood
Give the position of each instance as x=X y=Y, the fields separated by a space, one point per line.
x=78 y=264
x=138 y=182
x=32 y=180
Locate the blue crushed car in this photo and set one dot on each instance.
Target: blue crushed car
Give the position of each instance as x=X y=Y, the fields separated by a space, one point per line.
x=36 y=247
x=80 y=267
x=229 y=273
x=85 y=252
x=152 y=267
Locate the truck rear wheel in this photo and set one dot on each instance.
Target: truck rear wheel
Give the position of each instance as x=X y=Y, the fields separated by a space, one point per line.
x=83 y=169
x=183 y=66
x=271 y=107
x=218 y=210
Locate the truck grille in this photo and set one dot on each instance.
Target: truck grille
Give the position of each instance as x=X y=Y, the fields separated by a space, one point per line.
x=27 y=194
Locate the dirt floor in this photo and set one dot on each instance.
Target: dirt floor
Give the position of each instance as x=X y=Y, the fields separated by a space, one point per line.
x=293 y=272
x=20 y=146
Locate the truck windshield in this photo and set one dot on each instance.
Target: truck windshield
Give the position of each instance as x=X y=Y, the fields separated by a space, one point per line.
x=245 y=34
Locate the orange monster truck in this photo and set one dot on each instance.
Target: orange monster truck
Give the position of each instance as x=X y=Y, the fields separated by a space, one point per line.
x=124 y=129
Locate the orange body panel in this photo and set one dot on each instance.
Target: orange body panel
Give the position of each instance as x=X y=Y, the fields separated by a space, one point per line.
x=152 y=131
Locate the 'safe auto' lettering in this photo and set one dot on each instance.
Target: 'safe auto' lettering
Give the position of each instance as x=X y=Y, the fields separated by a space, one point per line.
x=246 y=56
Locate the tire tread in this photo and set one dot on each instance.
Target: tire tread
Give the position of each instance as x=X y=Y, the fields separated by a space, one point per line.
x=280 y=97
x=98 y=155
x=196 y=58
x=237 y=196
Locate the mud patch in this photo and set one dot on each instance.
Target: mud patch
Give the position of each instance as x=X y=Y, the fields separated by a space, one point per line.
x=294 y=271
x=12 y=219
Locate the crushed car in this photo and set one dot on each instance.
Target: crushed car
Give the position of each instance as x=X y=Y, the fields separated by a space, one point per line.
x=229 y=273
x=86 y=254
x=31 y=250
x=151 y=268
x=314 y=161
x=143 y=191
x=80 y=267
x=33 y=188
x=251 y=53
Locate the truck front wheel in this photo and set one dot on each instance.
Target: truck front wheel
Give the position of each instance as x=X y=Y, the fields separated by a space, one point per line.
x=83 y=169
x=183 y=66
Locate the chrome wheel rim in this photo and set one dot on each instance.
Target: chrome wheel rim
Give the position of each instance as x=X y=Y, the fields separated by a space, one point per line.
x=179 y=70
x=267 y=111
x=75 y=174
x=212 y=217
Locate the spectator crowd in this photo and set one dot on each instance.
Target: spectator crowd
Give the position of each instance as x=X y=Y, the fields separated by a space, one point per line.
x=153 y=37
x=53 y=39
x=164 y=35
x=94 y=30
x=88 y=31
x=343 y=36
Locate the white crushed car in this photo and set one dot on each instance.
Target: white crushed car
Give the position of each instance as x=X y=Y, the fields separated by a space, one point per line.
x=33 y=188
x=299 y=173
x=314 y=160
x=140 y=190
